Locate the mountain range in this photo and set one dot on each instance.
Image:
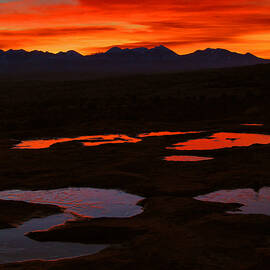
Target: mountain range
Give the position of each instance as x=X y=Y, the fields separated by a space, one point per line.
x=120 y=61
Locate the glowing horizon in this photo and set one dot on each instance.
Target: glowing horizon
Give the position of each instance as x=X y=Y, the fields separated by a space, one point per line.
x=91 y=26
x=106 y=49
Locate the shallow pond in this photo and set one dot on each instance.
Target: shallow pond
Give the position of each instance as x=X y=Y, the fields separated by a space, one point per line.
x=95 y=140
x=253 y=202
x=187 y=158
x=85 y=202
x=254 y=125
x=165 y=133
x=223 y=140
x=85 y=140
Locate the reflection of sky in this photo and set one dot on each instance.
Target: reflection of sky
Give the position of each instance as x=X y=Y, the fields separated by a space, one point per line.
x=86 y=141
x=223 y=140
x=94 y=140
x=186 y=158
x=255 y=125
x=165 y=133
x=88 y=202
x=81 y=201
x=254 y=202
x=15 y=246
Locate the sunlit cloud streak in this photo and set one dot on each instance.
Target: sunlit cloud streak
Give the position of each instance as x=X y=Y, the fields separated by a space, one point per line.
x=91 y=25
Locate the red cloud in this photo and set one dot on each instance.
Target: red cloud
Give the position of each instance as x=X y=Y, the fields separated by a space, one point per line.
x=184 y=25
x=52 y=32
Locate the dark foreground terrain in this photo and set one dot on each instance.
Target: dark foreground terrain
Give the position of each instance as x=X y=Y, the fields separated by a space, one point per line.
x=175 y=231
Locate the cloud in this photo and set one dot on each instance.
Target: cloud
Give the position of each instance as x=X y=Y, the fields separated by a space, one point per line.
x=170 y=44
x=89 y=25
x=52 y=32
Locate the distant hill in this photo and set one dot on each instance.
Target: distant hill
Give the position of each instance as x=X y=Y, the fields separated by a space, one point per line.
x=120 y=61
x=159 y=52
x=213 y=58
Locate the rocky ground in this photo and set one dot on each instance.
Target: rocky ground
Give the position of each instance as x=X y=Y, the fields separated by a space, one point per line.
x=175 y=231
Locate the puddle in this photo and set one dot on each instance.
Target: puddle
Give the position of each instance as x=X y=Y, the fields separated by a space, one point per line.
x=85 y=140
x=165 y=133
x=223 y=140
x=255 y=125
x=94 y=140
x=253 y=202
x=187 y=158
x=87 y=202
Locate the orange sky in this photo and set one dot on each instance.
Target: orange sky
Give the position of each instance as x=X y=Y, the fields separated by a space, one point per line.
x=90 y=26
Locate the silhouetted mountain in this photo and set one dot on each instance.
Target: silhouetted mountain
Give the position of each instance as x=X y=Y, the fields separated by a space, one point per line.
x=70 y=53
x=156 y=52
x=118 y=61
x=214 y=58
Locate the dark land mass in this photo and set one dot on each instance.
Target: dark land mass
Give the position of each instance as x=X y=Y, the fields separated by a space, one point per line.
x=14 y=213
x=20 y=64
x=175 y=231
x=134 y=103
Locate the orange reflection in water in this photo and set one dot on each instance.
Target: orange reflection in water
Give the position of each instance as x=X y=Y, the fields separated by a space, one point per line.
x=165 y=133
x=255 y=125
x=94 y=140
x=223 y=140
x=86 y=141
x=187 y=158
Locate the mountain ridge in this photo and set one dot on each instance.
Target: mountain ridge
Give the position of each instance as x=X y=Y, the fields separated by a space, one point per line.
x=121 y=61
x=116 y=49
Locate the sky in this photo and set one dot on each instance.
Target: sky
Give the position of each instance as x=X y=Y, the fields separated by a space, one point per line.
x=90 y=26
